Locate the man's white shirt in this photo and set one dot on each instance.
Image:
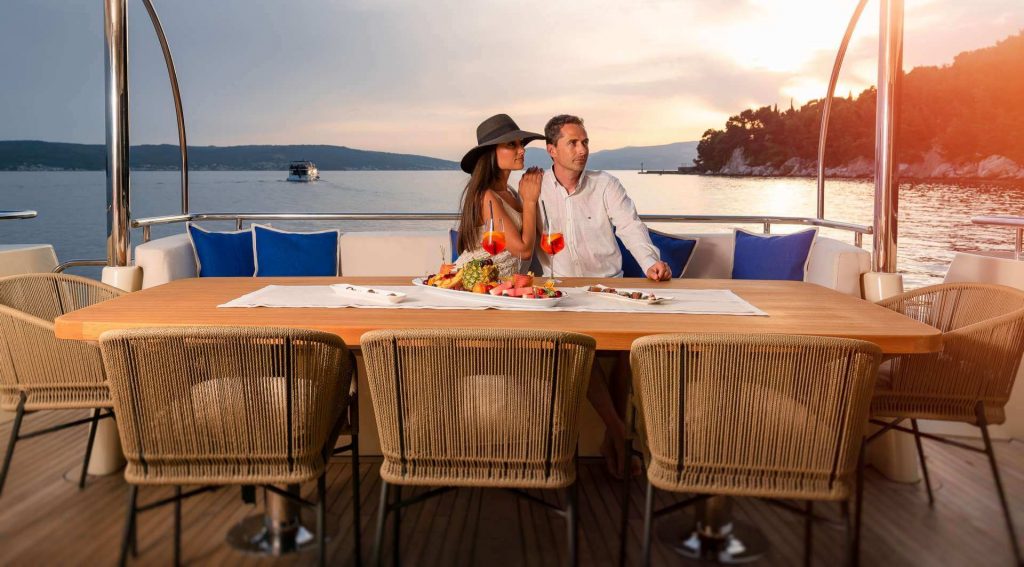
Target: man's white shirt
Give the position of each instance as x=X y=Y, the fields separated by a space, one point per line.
x=590 y=218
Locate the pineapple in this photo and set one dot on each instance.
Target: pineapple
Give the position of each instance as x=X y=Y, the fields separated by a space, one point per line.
x=472 y=272
x=478 y=271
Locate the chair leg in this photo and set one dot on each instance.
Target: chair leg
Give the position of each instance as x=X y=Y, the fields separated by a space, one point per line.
x=357 y=520
x=859 y=513
x=177 y=526
x=321 y=518
x=396 y=537
x=572 y=519
x=129 y=525
x=382 y=513
x=924 y=465
x=19 y=413
x=983 y=425
x=648 y=520
x=809 y=534
x=88 y=447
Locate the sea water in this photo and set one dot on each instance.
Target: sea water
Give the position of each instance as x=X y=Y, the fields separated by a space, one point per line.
x=934 y=218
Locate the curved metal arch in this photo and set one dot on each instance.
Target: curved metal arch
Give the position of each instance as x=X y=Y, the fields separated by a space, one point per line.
x=179 y=113
x=827 y=106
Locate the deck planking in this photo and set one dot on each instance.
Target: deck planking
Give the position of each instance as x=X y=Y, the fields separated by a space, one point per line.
x=45 y=519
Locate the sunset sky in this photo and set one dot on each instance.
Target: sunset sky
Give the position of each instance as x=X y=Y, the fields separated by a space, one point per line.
x=417 y=77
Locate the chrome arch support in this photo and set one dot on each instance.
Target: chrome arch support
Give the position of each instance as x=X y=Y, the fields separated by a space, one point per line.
x=890 y=71
x=172 y=76
x=826 y=108
x=115 y=39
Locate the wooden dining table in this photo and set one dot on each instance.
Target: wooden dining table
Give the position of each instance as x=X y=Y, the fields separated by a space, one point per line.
x=791 y=307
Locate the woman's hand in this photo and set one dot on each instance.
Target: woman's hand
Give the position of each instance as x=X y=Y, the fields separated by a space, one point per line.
x=529 y=185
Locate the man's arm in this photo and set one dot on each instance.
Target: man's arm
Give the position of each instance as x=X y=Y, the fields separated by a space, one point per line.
x=632 y=231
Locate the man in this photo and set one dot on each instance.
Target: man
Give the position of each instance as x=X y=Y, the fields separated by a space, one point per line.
x=590 y=208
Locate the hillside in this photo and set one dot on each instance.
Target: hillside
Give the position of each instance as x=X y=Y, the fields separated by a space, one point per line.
x=955 y=121
x=667 y=156
x=35 y=155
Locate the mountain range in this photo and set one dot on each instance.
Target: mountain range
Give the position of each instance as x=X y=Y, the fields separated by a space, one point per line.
x=666 y=156
x=32 y=155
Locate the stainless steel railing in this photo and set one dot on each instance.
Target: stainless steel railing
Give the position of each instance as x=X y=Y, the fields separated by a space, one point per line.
x=17 y=215
x=826 y=108
x=239 y=219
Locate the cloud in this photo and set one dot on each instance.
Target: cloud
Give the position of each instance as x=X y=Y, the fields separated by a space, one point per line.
x=405 y=75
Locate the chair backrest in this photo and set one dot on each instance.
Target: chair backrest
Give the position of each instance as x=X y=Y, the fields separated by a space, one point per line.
x=50 y=373
x=478 y=407
x=983 y=343
x=48 y=296
x=756 y=415
x=227 y=405
x=952 y=306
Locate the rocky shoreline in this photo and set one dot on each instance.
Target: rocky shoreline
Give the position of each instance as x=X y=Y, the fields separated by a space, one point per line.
x=931 y=167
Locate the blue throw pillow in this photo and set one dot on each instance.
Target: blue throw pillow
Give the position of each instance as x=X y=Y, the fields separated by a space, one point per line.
x=675 y=252
x=774 y=257
x=222 y=254
x=281 y=253
x=453 y=240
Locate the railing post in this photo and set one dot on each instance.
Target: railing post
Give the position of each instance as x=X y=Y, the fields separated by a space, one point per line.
x=115 y=36
x=890 y=69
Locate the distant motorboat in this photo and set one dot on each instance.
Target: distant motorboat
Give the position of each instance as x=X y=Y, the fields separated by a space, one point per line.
x=303 y=171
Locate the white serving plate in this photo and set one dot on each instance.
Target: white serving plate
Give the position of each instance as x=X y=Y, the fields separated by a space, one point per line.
x=655 y=301
x=368 y=293
x=489 y=299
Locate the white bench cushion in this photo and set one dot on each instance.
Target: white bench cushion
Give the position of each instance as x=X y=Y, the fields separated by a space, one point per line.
x=166 y=259
x=832 y=264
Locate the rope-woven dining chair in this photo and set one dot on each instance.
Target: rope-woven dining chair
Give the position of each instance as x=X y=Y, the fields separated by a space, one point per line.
x=476 y=408
x=767 y=416
x=38 y=371
x=215 y=406
x=969 y=381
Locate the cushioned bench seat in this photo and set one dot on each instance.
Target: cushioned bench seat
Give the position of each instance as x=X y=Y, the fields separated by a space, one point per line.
x=833 y=264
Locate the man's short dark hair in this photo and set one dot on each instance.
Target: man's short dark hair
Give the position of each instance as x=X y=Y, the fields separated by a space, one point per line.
x=553 y=129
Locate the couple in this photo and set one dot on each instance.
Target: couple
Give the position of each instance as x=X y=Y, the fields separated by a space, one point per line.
x=590 y=207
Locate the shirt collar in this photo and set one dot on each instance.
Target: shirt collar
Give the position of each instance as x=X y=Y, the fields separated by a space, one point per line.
x=580 y=185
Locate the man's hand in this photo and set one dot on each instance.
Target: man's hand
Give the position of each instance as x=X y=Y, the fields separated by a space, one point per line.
x=529 y=185
x=659 y=272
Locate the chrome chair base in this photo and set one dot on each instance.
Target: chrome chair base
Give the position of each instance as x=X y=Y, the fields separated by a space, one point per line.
x=734 y=543
x=258 y=534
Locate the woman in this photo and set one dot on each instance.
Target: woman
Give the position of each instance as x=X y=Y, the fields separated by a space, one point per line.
x=500 y=149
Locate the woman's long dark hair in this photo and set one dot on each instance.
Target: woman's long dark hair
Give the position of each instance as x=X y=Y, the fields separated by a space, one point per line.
x=486 y=175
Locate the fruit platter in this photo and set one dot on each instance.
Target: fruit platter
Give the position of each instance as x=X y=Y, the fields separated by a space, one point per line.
x=627 y=295
x=477 y=280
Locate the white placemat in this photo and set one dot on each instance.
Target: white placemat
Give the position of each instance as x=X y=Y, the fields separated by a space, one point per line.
x=691 y=301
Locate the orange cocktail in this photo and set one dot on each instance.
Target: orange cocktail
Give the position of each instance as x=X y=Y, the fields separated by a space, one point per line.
x=493 y=242
x=552 y=243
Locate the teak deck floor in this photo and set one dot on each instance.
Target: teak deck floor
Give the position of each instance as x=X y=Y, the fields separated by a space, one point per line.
x=45 y=520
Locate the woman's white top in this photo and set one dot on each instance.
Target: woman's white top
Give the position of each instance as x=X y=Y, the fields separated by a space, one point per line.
x=506 y=262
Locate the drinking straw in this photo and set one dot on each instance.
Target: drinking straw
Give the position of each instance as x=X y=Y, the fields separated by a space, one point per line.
x=491 y=205
x=544 y=208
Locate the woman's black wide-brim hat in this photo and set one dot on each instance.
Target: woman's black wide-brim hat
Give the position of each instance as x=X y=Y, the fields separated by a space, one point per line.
x=497 y=129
